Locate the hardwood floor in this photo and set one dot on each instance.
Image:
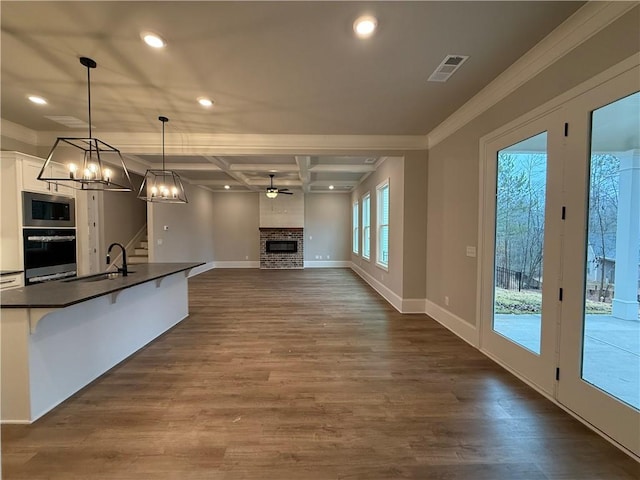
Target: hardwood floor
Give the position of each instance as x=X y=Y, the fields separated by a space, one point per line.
x=306 y=374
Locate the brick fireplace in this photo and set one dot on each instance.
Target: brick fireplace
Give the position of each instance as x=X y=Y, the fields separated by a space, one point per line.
x=283 y=254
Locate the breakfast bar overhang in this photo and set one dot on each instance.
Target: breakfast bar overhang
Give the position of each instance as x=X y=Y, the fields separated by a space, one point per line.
x=58 y=337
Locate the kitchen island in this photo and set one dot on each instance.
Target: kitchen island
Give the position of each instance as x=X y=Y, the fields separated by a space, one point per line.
x=57 y=337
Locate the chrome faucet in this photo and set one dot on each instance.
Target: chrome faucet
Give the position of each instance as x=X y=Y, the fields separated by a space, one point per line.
x=122 y=270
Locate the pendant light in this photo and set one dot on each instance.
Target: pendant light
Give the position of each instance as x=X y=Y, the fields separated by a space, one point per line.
x=162 y=186
x=86 y=163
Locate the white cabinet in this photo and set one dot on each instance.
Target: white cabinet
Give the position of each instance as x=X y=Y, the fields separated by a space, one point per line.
x=10 y=214
x=19 y=172
x=30 y=171
x=30 y=182
x=14 y=280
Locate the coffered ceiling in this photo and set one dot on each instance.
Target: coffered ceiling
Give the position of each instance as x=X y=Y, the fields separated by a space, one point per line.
x=271 y=68
x=297 y=172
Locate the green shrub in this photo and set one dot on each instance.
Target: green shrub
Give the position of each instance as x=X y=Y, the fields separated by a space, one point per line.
x=530 y=301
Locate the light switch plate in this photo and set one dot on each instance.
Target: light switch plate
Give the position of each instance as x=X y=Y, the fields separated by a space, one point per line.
x=471 y=251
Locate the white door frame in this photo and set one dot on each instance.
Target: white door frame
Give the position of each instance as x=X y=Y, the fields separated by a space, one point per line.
x=623 y=430
x=538 y=369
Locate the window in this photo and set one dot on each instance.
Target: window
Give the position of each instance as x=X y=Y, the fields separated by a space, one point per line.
x=366 y=226
x=355 y=227
x=382 y=256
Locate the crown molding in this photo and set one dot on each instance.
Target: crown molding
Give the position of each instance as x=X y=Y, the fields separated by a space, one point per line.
x=245 y=144
x=18 y=132
x=579 y=27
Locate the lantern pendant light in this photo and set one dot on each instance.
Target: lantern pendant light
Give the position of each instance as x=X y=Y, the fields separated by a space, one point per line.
x=86 y=163
x=162 y=186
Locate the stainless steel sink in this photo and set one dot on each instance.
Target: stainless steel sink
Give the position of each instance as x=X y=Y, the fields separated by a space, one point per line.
x=97 y=277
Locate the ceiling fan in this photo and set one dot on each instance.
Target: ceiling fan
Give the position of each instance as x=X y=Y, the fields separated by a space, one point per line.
x=272 y=192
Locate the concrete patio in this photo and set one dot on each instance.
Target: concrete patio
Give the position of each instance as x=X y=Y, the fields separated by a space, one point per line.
x=611 y=350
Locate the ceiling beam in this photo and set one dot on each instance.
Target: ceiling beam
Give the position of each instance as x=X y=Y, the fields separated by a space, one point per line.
x=196 y=167
x=343 y=168
x=263 y=167
x=224 y=166
x=276 y=183
x=303 y=170
x=336 y=183
x=219 y=183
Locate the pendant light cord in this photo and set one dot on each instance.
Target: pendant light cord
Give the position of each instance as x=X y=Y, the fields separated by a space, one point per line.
x=163 y=147
x=89 y=95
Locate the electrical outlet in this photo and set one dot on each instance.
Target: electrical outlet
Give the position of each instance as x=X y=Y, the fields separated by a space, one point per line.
x=446 y=300
x=328 y=257
x=159 y=241
x=246 y=257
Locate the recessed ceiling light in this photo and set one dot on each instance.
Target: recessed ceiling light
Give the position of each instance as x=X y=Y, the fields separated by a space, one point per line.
x=153 y=40
x=36 y=99
x=227 y=187
x=205 y=102
x=330 y=187
x=365 y=26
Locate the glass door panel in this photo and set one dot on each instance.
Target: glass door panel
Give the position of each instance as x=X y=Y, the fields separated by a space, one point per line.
x=518 y=307
x=519 y=241
x=599 y=341
x=611 y=334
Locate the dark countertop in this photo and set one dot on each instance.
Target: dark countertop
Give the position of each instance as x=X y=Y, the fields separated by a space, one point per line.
x=59 y=294
x=9 y=272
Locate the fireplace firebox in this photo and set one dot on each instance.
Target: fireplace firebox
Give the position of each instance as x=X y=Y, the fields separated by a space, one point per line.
x=282 y=246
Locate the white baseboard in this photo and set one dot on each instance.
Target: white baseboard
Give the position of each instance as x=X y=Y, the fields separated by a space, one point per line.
x=457 y=325
x=403 y=305
x=16 y=422
x=239 y=264
x=387 y=293
x=413 y=305
x=326 y=264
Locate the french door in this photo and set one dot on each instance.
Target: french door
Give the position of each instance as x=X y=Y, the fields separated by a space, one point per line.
x=600 y=336
x=560 y=271
x=521 y=245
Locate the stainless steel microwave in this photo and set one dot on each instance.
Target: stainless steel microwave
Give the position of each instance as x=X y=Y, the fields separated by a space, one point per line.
x=42 y=210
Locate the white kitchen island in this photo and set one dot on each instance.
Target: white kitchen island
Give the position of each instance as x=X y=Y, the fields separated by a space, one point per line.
x=58 y=337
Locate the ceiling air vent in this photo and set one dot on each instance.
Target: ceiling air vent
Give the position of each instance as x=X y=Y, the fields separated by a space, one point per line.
x=67 y=121
x=447 y=67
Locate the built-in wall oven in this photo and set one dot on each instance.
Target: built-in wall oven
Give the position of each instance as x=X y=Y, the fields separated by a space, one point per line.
x=49 y=237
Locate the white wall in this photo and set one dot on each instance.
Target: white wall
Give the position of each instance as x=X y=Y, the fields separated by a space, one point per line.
x=236 y=237
x=393 y=170
x=123 y=215
x=327 y=227
x=283 y=211
x=223 y=227
x=12 y=145
x=189 y=236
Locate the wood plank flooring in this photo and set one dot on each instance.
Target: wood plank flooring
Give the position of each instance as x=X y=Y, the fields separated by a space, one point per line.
x=306 y=374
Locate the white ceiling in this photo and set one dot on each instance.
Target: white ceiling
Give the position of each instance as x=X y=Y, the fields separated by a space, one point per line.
x=272 y=68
